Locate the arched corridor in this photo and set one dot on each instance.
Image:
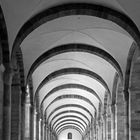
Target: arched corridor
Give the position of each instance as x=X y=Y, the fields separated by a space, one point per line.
x=69 y=70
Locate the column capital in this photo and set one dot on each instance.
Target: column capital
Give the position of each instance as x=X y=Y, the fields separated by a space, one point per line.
x=104 y=114
x=99 y=122
x=35 y=111
x=27 y=98
x=113 y=104
x=2 y=68
x=8 y=74
x=113 y=107
x=46 y=123
x=126 y=95
x=38 y=115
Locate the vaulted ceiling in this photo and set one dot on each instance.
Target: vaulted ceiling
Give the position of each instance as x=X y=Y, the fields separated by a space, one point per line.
x=72 y=53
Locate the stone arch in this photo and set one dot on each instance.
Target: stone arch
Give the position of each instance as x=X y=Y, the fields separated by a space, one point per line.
x=72 y=71
x=5 y=78
x=71 y=86
x=77 y=9
x=74 y=96
x=71 y=105
x=4 y=40
x=72 y=127
x=67 y=124
x=71 y=111
x=103 y=12
x=66 y=121
x=18 y=95
x=76 y=48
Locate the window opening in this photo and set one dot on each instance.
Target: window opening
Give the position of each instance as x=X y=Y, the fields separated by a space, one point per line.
x=69 y=135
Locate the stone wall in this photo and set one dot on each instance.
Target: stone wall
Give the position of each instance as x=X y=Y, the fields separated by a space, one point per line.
x=135 y=98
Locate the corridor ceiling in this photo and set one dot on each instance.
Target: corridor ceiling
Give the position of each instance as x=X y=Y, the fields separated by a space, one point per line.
x=71 y=58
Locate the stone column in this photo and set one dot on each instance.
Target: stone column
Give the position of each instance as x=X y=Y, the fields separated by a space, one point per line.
x=135 y=111
x=113 y=109
x=1 y=99
x=7 y=78
x=49 y=133
x=91 y=134
x=87 y=133
x=53 y=136
x=35 y=123
x=27 y=134
x=120 y=113
x=100 y=129
x=37 y=126
x=42 y=128
x=31 y=121
x=82 y=138
x=95 y=130
x=40 y=122
x=127 y=105
x=16 y=107
x=45 y=131
x=86 y=137
x=23 y=95
x=134 y=94
x=89 y=138
x=109 y=123
x=92 y=129
x=105 y=126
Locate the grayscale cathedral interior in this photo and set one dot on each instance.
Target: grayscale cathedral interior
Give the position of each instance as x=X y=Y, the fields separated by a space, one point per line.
x=69 y=70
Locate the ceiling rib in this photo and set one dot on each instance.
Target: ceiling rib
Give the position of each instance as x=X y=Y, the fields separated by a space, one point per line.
x=77 y=48
x=54 y=125
x=70 y=127
x=68 y=106
x=70 y=111
x=76 y=9
x=68 y=86
x=70 y=96
x=65 y=124
x=72 y=71
x=70 y=120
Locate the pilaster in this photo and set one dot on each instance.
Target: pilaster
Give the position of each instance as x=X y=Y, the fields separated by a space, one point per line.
x=1 y=98
x=16 y=107
x=7 y=78
x=134 y=94
x=121 y=115
x=27 y=134
x=114 y=124
x=35 y=123
x=109 y=122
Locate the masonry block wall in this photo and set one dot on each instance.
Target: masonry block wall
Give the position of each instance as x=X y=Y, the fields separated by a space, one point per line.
x=135 y=98
x=15 y=108
x=121 y=115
